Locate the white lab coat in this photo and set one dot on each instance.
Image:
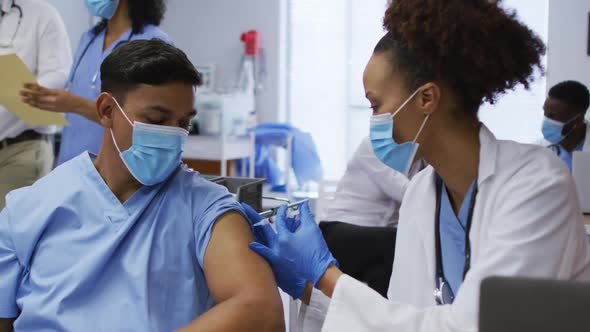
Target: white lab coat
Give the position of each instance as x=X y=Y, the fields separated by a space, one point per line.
x=586 y=146
x=369 y=193
x=526 y=222
x=41 y=42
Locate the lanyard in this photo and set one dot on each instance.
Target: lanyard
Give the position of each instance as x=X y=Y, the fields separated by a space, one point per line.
x=439 y=267
x=86 y=50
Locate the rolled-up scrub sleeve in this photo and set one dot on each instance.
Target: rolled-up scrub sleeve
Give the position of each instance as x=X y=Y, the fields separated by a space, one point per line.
x=219 y=202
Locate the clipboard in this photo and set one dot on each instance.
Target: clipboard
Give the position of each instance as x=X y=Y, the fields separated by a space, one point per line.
x=13 y=74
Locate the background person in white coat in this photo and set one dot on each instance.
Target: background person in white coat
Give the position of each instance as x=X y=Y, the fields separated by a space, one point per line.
x=496 y=207
x=360 y=223
x=34 y=30
x=369 y=193
x=564 y=128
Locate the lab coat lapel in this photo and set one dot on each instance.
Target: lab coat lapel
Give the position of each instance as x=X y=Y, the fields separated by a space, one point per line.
x=429 y=220
x=414 y=262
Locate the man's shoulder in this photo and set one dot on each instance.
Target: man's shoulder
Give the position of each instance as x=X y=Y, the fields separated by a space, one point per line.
x=51 y=189
x=207 y=200
x=195 y=186
x=189 y=178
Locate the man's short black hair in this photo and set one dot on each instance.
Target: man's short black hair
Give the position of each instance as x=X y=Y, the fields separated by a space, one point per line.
x=151 y=62
x=573 y=93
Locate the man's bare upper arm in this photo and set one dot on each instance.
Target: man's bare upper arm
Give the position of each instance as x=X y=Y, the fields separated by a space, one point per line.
x=229 y=264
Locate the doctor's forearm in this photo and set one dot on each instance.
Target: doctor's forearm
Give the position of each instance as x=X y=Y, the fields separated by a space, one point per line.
x=328 y=281
x=306 y=296
x=6 y=324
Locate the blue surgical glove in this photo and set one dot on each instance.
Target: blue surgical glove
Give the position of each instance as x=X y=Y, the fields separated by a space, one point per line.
x=305 y=246
x=303 y=249
x=260 y=233
x=266 y=245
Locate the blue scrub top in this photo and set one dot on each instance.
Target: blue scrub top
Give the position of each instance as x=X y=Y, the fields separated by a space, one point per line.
x=73 y=258
x=82 y=134
x=565 y=155
x=452 y=238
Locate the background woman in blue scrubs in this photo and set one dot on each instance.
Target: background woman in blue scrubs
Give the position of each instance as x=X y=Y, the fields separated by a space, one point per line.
x=123 y=20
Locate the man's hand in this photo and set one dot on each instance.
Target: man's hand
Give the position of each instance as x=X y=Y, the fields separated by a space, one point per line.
x=59 y=101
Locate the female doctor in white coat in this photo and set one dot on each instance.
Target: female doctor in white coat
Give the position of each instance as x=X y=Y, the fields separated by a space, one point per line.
x=484 y=207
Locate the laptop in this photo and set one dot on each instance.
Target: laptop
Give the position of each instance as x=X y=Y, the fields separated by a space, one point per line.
x=534 y=305
x=581 y=173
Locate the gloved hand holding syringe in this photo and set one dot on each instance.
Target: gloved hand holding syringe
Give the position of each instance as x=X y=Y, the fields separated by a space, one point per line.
x=295 y=250
x=293 y=212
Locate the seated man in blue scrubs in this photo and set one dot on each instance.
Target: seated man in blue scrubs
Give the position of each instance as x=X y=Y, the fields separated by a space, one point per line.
x=131 y=239
x=564 y=128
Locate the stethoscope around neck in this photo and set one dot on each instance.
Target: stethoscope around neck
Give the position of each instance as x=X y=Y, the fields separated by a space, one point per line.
x=20 y=19
x=93 y=84
x=443 y=294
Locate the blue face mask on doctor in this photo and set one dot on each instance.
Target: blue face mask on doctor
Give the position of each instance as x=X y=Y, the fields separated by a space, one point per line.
x=102 y=8
x=395 y=155
x=155 y=151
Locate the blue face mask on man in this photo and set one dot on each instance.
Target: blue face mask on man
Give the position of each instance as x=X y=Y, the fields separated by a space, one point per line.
x=553 y=130
x=395 y=155
x=155 y=151
x=102 y=8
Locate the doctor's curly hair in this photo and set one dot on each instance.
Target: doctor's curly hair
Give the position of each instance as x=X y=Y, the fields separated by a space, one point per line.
x=477 y=48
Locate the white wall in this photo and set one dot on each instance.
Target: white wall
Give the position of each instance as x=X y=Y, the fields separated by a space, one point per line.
x=518 y=114
x=75 y=16
x=318 y=77
x=209 y=32
x=366 y=29
x=567 y=56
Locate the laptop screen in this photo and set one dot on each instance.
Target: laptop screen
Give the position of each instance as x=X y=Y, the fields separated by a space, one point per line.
x=533 y=305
